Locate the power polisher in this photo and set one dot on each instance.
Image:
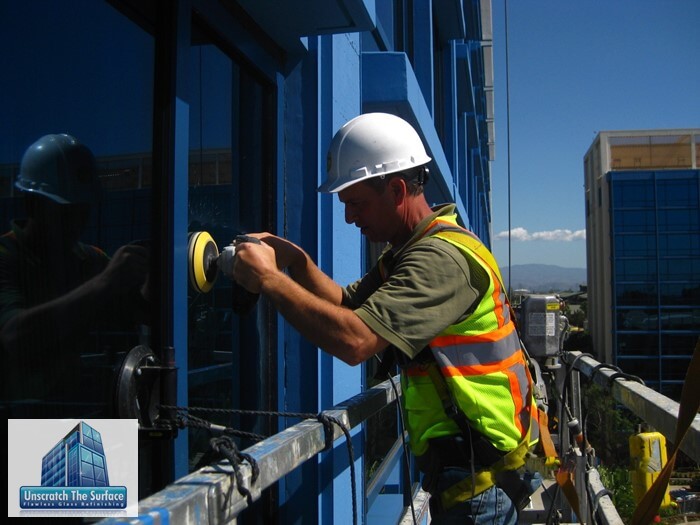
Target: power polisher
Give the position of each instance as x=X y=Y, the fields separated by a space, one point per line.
x=205 y=263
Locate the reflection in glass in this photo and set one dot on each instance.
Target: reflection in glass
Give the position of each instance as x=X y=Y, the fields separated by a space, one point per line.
x=73 y=298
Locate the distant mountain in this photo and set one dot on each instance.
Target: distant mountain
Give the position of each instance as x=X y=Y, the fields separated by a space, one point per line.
x=544 y=278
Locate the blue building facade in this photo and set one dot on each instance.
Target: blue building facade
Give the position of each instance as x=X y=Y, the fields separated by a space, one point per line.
x=643 y=218
x=209 y=115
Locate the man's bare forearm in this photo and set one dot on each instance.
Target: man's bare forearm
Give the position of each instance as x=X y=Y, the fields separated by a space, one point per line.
x=334 y=329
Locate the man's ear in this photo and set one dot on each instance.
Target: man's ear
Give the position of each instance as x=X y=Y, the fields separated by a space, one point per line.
x=397 y=186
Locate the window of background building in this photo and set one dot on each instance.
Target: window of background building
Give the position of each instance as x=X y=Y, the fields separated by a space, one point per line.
x=636 y=294
x=632 y=193
x=93 y=81
x=635 y=245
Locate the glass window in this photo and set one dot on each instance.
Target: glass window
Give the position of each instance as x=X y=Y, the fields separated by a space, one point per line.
x=645 y=368
x=672 y=390
x=678 y=244
x=679 y=344
x=674 y=368
x=637 y=294
x=679 y=220
x=635 y=245
x=633 y=193
x=674 y=193
x=637 y=319
x=229 y=360
x=679 y=269
x=635 y=270
x=680 y=293
x=637 y=344
x=72 y=302
x=680 y=319
x=631 y=221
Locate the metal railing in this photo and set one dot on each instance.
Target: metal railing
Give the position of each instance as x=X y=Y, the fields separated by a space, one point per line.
x=654 y=408
x=208 y=497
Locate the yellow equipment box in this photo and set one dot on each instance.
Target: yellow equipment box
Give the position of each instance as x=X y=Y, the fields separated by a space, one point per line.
x=648 y=457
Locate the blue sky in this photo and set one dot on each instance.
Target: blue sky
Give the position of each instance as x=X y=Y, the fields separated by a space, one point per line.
x=577 y=68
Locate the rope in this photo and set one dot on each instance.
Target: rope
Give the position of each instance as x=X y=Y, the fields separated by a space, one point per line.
x=224 y=445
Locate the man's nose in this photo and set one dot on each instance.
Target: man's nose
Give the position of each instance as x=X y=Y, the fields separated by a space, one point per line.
x=350 y=215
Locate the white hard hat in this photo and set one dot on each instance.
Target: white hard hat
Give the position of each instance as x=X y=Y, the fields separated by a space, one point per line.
x=371 y=145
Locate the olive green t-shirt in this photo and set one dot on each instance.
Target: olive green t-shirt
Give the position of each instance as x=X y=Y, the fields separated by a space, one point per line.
x=431 y=285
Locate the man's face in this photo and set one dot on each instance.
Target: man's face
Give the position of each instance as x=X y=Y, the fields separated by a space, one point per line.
x=372 y=211
x=64 y=222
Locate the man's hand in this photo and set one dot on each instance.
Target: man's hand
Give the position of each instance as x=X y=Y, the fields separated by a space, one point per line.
x=287 y=254
x=127 y=270
x=254 y=262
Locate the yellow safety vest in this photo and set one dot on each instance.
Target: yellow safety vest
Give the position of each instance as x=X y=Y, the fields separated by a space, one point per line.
x=484 y=368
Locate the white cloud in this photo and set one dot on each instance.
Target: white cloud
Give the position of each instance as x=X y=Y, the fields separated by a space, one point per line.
x=521 y=234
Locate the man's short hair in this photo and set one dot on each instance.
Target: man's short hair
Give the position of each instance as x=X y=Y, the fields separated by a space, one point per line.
x=416 y=179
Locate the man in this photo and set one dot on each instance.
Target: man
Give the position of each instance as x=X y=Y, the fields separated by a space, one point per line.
x=434 y=299
x=56 y=290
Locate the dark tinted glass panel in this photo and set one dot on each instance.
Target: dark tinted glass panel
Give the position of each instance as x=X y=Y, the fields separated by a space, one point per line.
x=633 y=194
x=635 y=270
x=672 y=390
x=637 y=319
x=646 y=369
x=675 y=368
x=679 y=269
x=680 y=293
x=678 y=344
x=637 y=344
x=638 y=294
x=680 y=319
x=72 y=300
x=677 y=193
x=633 y=221
x=635 y=245
x=675 y=244
x=679 y=220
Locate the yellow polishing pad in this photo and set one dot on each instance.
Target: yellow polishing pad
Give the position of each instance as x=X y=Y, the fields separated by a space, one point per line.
x=201 y=256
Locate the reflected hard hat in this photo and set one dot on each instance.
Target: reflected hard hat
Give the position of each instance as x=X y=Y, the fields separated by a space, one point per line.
x=371 y=145
x=60 y=168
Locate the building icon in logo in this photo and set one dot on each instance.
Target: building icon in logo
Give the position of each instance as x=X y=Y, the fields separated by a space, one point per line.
x=78 y=460
x=74 y=476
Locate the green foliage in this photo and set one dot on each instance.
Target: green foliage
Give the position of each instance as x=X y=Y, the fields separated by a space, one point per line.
x=577 y=318
x=616 y=480
x=608 y=426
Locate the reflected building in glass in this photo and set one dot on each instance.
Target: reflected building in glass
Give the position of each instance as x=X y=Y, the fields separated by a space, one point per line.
x=643 y=252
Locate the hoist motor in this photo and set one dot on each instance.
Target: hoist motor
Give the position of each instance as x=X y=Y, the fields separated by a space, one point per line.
x=543 y=328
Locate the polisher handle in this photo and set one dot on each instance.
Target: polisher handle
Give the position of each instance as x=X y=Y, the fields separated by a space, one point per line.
x=243 y=300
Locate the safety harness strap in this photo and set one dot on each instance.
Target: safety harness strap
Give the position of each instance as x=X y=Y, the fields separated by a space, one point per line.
x=546 y=444
x=484 y=479
x=453 y=411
